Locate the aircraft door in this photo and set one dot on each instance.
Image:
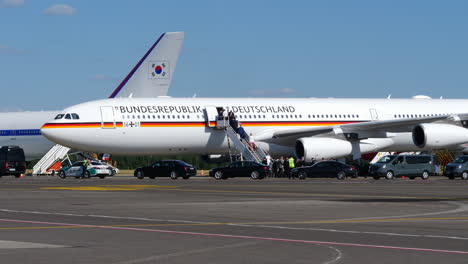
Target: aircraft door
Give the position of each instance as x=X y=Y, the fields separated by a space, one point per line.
x=211 y=112
x=374 y=114
x=107 y=117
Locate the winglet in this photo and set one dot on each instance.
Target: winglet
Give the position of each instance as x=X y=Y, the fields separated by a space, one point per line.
x=152 y=75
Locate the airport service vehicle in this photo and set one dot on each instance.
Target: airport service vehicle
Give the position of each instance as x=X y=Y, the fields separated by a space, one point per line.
x=308 y=127
x=325 y=169
x=23 y=128
x=250 y=169
x=392 y=166
x=457 y=168
x=166 y=168
x=94 y=169
x=12 y=161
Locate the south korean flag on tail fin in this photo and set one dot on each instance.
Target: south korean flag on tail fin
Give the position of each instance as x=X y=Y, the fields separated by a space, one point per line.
x=159 y=69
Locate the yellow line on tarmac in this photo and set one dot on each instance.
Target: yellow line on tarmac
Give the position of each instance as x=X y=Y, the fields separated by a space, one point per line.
x=177 y=188
x=247 y=223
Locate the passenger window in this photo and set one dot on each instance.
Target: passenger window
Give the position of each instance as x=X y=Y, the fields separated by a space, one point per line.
x=67 y=116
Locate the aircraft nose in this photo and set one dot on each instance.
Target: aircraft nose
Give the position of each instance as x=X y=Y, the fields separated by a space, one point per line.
x=53 y=134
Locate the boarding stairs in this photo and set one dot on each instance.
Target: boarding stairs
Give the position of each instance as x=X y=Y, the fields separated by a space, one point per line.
x=243 y=146
x=56 y=153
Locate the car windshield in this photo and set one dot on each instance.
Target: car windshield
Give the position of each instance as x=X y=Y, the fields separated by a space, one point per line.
x=15 y=155
x=461 y=159
x=386 y=159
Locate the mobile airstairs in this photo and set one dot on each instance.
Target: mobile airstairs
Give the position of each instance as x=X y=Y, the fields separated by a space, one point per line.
x=55 y=154
x=241 y=145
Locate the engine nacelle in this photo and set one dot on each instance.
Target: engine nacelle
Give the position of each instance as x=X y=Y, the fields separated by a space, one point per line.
x=439 y=135
x=322 y=148
x=327 y=148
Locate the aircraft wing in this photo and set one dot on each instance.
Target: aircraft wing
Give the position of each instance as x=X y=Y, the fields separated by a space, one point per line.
x=396 y=125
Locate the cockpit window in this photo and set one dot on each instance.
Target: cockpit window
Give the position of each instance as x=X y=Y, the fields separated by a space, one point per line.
x=67 y=116
x=75 y=116
x=59 y=116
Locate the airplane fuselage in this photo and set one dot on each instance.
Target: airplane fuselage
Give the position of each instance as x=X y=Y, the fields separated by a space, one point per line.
x=184 y=125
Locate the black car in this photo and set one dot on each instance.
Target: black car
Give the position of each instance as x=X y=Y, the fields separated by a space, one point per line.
x=12 y=161
x=325 y=169
x=166 y=168
x=250 y=169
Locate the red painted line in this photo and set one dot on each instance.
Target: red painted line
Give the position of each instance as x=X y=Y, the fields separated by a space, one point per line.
x=244 y=237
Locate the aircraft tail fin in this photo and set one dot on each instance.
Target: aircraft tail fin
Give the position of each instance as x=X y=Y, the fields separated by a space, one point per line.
x=152 y=75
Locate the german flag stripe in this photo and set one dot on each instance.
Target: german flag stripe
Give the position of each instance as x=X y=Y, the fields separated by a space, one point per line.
x=197 y=124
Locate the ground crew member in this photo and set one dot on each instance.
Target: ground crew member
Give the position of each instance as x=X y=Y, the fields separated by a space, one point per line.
x=291 y=166
x=84 y=168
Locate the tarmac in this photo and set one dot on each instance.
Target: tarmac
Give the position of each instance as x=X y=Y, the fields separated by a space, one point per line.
x=45 y=219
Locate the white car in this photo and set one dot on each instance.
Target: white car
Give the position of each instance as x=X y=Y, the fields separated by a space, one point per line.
x=95 y=169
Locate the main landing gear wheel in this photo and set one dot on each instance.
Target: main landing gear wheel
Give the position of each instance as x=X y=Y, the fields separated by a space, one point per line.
x=218 y=175
x=389 y=175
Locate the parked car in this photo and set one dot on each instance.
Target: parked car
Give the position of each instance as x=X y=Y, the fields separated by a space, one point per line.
x=103 y=164
x=457 y=168
x=392 y=166
x=12 y=161
x=250 y=169
x=94 y=169
x=325 y=169
x=166 y=168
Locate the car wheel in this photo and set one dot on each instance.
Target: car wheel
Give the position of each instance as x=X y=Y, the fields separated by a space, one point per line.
x=112 y=172
x=389 y=175
x=302 y=175
x=464 y=175
x=62 y=174
x=152 y=177
x=17 y=175
x=140 y=174
x=86 y=174
x=425 y=175
x=186 y=177
x=341 y=175
x=412 y=177
x=451 y=177
x=376 y=177
x=102 y=176
x=219 y=175
x=173 y=175
x=254 y=175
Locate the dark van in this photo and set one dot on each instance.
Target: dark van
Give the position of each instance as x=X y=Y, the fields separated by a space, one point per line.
x=12 y=161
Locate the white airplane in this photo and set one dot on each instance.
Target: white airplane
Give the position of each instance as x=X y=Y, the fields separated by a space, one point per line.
x=151 y=77
x=310 y=128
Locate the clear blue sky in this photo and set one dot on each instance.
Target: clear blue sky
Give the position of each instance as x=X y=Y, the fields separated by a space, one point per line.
x=56 y=54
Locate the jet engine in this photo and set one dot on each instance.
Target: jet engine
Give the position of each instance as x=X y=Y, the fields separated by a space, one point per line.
x=439 y=135
x=322 y=148
x=326 y=148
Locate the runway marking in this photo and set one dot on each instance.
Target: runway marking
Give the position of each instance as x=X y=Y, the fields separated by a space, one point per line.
x=248 y=237
x=184 y=253
x=4 y=244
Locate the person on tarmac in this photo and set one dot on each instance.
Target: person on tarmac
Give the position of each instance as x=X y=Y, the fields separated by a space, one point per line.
x=291 y=165
x=84 y=168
